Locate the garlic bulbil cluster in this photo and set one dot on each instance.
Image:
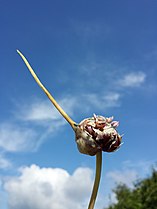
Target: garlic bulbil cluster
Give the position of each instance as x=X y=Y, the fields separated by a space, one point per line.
x=97 y=134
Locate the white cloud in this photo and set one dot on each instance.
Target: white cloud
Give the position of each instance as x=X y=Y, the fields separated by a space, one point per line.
x=43 y=110
x=4 y=163
x=41 y=188
x=111 y=99
x=125 y=177
x=38 y=111
x=133 y=79
x=14 y=138
x=103 y=101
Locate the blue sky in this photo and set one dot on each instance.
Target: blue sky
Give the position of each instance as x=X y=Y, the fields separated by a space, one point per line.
x=94 y=57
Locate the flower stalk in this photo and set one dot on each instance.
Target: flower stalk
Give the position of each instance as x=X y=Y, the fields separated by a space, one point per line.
x=96 y=181
x=92 y=135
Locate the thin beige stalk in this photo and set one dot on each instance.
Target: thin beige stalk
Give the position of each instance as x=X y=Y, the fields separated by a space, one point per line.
x=63 y=113
x=96 y=181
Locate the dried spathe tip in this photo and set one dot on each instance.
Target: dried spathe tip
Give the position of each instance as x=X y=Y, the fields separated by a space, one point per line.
x=97 y=134
x=51 y=98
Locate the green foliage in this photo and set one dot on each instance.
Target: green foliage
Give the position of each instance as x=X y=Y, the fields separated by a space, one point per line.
x=143 y=196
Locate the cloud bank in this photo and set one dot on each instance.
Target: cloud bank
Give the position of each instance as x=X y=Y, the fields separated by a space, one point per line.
x=50 y=188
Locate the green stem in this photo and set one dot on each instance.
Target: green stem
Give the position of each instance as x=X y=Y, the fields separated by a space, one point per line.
x=97 y=180
x=63 y=113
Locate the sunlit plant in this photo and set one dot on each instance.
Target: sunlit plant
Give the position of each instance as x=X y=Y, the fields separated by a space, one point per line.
x=92 y=135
